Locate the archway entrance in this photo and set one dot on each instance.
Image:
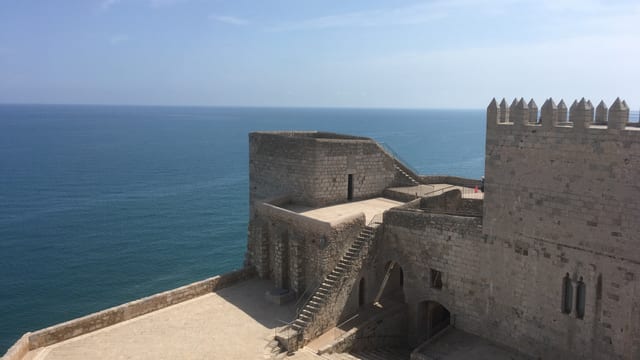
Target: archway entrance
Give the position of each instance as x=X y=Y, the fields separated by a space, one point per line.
x=392 y=286
x=432 y=318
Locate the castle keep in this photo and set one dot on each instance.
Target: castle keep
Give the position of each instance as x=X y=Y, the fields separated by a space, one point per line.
x=545 y=261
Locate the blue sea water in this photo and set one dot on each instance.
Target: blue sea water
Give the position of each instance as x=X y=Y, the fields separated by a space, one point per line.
x=100 y=205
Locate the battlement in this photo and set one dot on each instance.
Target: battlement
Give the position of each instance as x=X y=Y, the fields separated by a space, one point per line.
x=580 y=115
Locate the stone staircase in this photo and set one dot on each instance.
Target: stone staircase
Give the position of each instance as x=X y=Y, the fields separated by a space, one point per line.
x=407 y=176
x=291 y=338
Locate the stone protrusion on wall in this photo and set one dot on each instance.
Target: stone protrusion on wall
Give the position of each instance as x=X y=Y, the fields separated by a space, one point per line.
x=504 y=112
x=549 y=114
x=582 y=115
x=618 y=115
x=493 y=113
x=533 y=112
x=601 y=113
x=562 y=112
x=521 y=113
x=572 y=110
x=512 y=109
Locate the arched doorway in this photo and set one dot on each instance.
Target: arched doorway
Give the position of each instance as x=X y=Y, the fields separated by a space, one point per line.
x=392 y=285
x=432 y=317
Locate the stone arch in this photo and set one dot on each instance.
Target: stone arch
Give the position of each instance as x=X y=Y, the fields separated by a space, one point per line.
x=392 y=283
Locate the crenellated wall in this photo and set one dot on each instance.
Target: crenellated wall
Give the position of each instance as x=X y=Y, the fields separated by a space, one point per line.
x=571 y=182
x=563 y=188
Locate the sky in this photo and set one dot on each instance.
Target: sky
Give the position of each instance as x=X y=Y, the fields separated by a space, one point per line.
x=318 y=53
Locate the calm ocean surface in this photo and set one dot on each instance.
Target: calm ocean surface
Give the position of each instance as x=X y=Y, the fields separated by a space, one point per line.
x=100 y=205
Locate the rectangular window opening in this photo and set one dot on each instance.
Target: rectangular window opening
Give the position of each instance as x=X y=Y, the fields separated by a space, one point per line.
x=436 y=279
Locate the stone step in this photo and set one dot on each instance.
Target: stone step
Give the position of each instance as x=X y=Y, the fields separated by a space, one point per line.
x=300 y=323
x=317 y=300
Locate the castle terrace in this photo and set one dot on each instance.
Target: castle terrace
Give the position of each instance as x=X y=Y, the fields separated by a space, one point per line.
x=233 y=323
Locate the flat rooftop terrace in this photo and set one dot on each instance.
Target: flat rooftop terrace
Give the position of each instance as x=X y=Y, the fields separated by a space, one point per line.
x=439 y=189
x=233 y=323
x=370 y=208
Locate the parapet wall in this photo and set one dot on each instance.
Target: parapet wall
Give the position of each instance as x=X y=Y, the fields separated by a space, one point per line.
x=114 y=315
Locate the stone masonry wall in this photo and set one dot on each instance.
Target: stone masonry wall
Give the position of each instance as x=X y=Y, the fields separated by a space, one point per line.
x=419 y=242
x=314 y=170
x=563 y=194
x=295 y=251
x=510 y=293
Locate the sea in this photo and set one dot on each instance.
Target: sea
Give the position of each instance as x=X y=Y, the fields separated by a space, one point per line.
x=100 y=205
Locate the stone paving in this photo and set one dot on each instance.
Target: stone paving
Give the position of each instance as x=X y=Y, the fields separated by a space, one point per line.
x=370 y=208
x=438 y=189
x=233 y=323
x=455 y=344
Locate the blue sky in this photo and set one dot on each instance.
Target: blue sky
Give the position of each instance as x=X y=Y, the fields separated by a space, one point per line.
x=406 y=54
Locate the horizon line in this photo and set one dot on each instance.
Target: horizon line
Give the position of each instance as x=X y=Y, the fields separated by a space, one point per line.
x=247 y=106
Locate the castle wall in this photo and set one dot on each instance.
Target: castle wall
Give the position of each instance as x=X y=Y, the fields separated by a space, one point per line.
x=296 y=251
x=421 y=242
x=510 y=294
x=313 y=167
x=308 y=168
x=564 y=196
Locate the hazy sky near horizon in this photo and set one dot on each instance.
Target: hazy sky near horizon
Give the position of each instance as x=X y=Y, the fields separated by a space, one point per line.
x=417 y=54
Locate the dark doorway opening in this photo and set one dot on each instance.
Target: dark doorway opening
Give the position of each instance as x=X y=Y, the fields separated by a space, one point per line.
x=361 y=295
x=432 y=318
x=284 y=271
x=350 y=187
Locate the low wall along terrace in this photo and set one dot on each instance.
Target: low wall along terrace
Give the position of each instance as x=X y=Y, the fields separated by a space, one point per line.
x=130 y=310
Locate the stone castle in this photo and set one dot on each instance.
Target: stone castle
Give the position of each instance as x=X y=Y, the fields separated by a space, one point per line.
x=545 y=261
x=539 y=260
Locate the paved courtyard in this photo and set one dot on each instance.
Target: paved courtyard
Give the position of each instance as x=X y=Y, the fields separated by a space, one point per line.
x=456 y=344
x=370 y=208
x=233 y=323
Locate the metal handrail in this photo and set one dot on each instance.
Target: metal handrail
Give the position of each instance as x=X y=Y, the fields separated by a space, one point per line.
x=463 y=190
x=440 y=190
x=376 y=219
x=394 y=154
